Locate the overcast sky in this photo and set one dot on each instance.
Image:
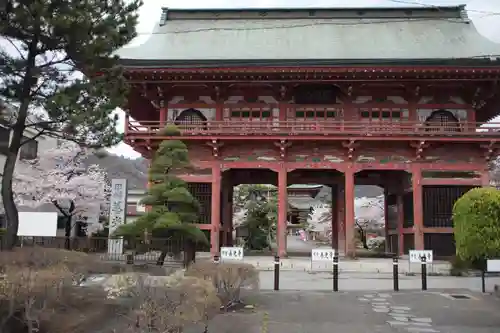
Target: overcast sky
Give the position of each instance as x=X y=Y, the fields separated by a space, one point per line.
x=484 y=13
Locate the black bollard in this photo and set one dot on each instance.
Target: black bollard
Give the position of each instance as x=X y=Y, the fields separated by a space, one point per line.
x=216 y=259
x=424 y=273
x=483 y=280
x=395 y=273
x=276 y=273
x=336 y=272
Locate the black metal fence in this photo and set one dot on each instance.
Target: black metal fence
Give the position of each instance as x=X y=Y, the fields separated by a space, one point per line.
x=114 y=249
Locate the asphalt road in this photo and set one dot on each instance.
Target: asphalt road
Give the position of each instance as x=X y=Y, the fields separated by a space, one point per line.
x=372 y=312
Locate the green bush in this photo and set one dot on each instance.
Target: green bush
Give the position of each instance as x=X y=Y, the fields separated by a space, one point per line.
x=476 y=219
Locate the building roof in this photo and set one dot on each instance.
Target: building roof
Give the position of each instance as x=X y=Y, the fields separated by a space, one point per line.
x=316 y=35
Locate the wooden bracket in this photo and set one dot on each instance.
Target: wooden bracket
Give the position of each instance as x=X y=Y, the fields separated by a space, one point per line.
x=216 y=145
x=283 y=145
x=490 y=150
x=350 y=145
x=419 y=147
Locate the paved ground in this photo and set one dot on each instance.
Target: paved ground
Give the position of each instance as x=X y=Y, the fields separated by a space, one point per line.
x=294 y=280
x=294 y=244
x=354 y=312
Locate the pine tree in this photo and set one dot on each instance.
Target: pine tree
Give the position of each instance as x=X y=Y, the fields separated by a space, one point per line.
x=174 y=211
x=59 y=77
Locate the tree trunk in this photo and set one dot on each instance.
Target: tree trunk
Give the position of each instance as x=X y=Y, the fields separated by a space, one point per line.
x=11 y=213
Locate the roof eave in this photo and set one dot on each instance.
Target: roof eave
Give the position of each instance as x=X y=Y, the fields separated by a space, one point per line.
x=494 y=61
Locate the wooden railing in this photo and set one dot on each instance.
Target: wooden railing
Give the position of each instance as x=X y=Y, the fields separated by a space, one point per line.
x=274 y=127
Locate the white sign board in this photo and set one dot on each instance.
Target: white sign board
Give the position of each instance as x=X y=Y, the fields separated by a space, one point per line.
x=231 y=253
x=322 y=254
x=33 y=224
x=416 y=256
x=493 y=265
x=117 y=213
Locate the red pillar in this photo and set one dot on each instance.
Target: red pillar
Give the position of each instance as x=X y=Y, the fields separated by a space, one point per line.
x=349 y=212
x=485 y=178
x=335 y=218
x=163 y=116
x=341 y=218
x=282 y=211
x=215 y=209
x=418 y=207
x=399 y=203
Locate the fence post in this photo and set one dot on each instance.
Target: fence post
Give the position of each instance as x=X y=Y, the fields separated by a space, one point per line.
x=395 y=273
x=424 y=273
x=276 y=273
x=336 y=272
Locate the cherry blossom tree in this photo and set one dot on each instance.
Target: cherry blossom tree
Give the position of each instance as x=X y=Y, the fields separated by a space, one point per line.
x=61 y=177
x=369 y=215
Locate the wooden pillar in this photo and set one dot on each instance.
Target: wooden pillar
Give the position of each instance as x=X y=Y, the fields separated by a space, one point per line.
x=349 y=212
x=219 y=111
x=335 y=218
x=485 y=178
x=282 y=211
x=400 y=217
x=215 y=209
x=163 y=116
x=230 y=215
x=418 y=207
x=341 y=218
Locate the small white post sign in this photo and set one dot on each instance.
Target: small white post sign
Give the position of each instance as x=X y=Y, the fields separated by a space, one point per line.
x=493 y=265
x=322 y=254
x=117 y=213
x=416 y=256
x=231 y=253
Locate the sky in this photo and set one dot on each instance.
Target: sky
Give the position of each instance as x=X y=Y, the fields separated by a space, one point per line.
x=485 y=15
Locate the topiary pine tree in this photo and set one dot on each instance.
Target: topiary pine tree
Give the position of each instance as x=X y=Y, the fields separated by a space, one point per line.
x=59 y=77
x=174 y=211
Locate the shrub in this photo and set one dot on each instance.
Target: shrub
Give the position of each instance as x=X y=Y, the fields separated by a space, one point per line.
x=39 y=292
x=170 y=304
x=476 y=218
x=227 y=278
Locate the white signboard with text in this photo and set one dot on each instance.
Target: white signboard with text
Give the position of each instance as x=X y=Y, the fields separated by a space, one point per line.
x=322 y=254
x=416 y=256
x=117 y=214
x=37 y=224
x=231 y=253
x=493 y=265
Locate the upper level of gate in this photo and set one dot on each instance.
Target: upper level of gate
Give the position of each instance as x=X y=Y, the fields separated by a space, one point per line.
x=292 y=120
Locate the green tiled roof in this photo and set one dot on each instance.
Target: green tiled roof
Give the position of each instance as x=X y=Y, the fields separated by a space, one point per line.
x=357 y=35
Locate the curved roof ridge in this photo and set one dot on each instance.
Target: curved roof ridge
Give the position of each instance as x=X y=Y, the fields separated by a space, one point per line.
x=428 y=11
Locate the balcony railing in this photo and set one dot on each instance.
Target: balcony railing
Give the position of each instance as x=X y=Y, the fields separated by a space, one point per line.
x=315 y=128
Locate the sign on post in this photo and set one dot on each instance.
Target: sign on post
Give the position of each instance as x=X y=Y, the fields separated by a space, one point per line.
x=322 y=254
x=493 y=265
x=416 y=256
x=117 y=212
x=231 y=253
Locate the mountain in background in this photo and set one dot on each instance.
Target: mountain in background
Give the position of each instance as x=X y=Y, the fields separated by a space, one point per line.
x=136 y=171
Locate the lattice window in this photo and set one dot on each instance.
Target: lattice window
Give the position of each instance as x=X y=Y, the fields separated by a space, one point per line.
x=191 y=119
x=376 y=114
x=442 y=121
x=316 y=114
x=203 y=193
x=251 y=114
